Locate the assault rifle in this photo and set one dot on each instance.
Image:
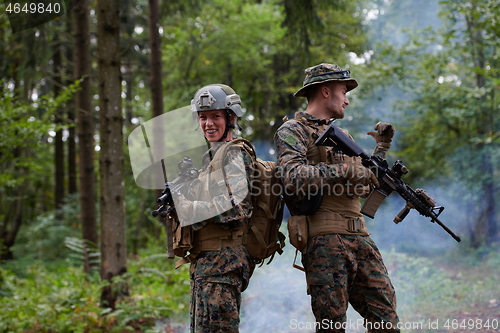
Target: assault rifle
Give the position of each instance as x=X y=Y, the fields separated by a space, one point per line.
x=166 y=207
x=388 y=178
x=180 y=184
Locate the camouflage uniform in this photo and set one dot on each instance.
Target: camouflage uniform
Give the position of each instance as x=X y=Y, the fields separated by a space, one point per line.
x=219 y=277
x=344 y=266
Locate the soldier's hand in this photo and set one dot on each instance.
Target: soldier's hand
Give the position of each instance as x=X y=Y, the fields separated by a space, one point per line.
x=383 y=134
x=184 y=208
x=357 y=174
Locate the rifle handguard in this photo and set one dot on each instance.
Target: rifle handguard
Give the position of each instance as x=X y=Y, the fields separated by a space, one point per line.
x=430 y=201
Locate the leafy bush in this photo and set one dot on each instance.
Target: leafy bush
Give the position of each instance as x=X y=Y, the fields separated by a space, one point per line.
x=43 y=239
x=61 y=298
x=433 y=288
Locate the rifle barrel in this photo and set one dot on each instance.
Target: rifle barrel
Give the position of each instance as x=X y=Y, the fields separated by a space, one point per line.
x=452 y=234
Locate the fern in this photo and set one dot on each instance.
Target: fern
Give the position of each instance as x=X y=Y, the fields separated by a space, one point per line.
x=85 y=252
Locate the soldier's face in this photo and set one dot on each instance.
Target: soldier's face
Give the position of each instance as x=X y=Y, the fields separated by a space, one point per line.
x=213 y=124
x=338 y=99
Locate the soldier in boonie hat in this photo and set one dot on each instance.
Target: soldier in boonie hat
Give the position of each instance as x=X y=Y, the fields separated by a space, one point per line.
x=323 y=73
x=326 y=212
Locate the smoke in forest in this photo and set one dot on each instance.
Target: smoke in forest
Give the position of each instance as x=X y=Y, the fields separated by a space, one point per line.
x=276 y=300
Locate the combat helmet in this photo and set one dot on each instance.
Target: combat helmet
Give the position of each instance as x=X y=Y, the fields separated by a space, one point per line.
x=217 y=97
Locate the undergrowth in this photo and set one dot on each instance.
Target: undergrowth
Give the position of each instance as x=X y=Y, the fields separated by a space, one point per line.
x=442 y=287
x=58 y=297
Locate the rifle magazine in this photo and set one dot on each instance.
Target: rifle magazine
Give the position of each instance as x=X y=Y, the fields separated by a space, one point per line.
x=372 y=203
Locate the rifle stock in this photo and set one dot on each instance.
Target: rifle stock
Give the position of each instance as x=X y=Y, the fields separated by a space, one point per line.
x=389 y=180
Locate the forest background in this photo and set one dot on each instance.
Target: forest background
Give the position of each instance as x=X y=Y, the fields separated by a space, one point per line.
x=79 y=249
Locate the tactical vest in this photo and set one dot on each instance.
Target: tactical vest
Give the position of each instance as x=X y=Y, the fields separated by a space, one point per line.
x=339 y=212
x=260 y=234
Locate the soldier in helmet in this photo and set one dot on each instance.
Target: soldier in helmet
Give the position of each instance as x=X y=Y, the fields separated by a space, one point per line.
x=220 y=264
x=342 y=263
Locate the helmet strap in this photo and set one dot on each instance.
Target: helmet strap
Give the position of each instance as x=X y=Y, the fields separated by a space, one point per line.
x=228 y=125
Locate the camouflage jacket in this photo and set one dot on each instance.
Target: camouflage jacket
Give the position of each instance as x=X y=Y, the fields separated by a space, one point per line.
x=291 y=142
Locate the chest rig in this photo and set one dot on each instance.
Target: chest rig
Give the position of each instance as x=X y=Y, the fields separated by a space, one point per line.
x=339 y=211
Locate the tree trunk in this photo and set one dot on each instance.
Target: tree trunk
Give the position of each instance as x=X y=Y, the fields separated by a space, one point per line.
x=156 y=72
x=70 y=111
x=490 y=209
x=129 y=80
x=14 y=216
x=155 y=58
x=59 y=144
x=85 y=121
x=113 y=242
x=486 y=223
x=8 y=236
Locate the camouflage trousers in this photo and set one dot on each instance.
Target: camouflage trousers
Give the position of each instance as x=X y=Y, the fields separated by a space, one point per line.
x=215 y=306
x=343 y=269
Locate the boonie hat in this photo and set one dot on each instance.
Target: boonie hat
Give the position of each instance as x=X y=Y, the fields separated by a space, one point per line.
x=323 y=73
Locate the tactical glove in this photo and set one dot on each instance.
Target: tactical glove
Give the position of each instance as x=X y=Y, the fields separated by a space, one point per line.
x=357 y=174
x=184 y=208
x=383 y=135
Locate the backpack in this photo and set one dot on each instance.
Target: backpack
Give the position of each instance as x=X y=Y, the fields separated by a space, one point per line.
x=263 y=238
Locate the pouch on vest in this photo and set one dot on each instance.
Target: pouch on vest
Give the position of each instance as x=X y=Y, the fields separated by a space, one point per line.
x=298 y=231
x=182 y=239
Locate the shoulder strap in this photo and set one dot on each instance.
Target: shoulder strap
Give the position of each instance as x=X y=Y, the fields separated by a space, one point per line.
x=305 y=122
x=241 y=143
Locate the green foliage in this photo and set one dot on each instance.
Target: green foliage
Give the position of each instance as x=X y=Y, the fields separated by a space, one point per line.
x=61 y=298
x=158 y=289
x=451 y=98
x=446 y=127
x=46 y=300
x=26 y=157
x=418 y=281
x=84 y=253
x=231 y=42
x=24 y=135
x=439 y=287
x=392 y=20
x=444 y=85
x=258 y=48
x=44 y=238
x=444 y=89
